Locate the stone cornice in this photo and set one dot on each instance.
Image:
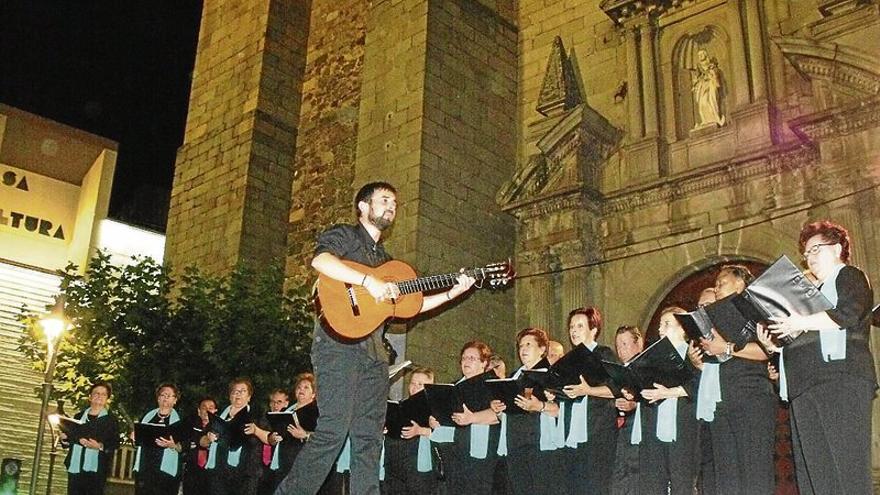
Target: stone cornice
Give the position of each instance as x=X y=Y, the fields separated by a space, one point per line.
x=570 y=198
x=626 y=11
x=712 y=178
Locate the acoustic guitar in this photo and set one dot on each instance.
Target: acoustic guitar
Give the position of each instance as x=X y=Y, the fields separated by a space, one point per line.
x=352 y=313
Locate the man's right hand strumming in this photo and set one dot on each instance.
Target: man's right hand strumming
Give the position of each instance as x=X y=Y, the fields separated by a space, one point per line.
x=381 y=291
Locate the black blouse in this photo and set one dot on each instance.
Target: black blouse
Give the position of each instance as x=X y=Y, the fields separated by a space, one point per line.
x=804 y=366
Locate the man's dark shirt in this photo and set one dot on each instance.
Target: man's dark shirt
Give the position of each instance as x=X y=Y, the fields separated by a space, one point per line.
x=354 y=243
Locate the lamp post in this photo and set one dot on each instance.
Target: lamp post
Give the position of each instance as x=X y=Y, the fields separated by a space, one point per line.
x=53 y=324
x=53 y=454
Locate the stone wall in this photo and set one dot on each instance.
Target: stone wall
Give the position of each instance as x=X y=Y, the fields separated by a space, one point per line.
x=323 y=187
x=231 y=196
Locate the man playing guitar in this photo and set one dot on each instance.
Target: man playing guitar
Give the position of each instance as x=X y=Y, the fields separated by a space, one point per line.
x=353 y=374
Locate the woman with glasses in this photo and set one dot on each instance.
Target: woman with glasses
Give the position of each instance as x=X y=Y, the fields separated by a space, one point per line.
x=233 y=458
x=157 y=467
x=89 y=457
x=282 y=453
x=827 y=372
x=469 y=460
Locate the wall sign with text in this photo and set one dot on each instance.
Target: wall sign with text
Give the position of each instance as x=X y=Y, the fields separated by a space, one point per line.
x=35 y=205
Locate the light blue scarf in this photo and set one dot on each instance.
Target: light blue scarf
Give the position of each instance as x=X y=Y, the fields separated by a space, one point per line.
x=667 y=410
x=552 y=431
x=234 y=456
x=833 y=341
x=579 y=431
x=783 y=379
x=667 y=413
x=636 y=437
x=90 y=458
x=382 y=461
x=479 y=437
x=709 y=392
x=443 y=434
x=423 y=460
x=502 y=438
x=479 y=441
x=275 y=465
x=170 y=457
x=343 y=463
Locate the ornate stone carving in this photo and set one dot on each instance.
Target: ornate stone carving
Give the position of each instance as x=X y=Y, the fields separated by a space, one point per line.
x=571 y=153
x=841 y=65
x=559 y=91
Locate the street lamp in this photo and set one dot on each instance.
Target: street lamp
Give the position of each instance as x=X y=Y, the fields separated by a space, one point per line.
x=53 y=325
x=54 y=421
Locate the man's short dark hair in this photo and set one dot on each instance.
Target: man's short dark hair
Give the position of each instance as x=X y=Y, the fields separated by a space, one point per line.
x=367 y=190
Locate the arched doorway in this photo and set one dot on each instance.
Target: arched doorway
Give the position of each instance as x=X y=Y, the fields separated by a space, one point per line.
x=687 y=292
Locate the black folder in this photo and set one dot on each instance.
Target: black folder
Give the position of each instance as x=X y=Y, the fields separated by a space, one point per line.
x=659 y=363
x=279 y=421
x=474 y=393
x=146 y=434
x=307 y=416
x=781 y=291
x=76 y=429
x=579 y=361
x=506 y=389
x=231 y=430
x=696 y=324
x=402 y=413
x=443 y=401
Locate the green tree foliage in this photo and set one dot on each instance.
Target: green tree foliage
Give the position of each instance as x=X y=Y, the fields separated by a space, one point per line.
x=137 y=327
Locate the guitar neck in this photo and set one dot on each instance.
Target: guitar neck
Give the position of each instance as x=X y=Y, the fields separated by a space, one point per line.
x=436 y=282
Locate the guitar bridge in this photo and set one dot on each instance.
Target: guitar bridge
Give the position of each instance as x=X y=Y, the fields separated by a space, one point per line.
x=352 y=300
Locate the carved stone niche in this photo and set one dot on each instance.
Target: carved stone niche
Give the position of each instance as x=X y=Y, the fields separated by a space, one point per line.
x=573 y=142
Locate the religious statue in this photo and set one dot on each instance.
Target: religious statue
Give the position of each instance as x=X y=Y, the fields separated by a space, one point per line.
x=706 y=85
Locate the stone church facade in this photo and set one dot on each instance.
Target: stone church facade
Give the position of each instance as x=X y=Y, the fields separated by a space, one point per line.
x=616 y=150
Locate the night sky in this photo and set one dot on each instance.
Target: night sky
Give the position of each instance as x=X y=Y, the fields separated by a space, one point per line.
x=117 y=68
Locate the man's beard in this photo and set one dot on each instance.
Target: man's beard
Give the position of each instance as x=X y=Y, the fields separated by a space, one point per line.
x=380 y=222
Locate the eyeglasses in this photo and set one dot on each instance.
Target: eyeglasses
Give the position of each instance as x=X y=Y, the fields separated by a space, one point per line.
x=475 y=359
x=167 y=396
x=815 y=249
x=239 y=391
